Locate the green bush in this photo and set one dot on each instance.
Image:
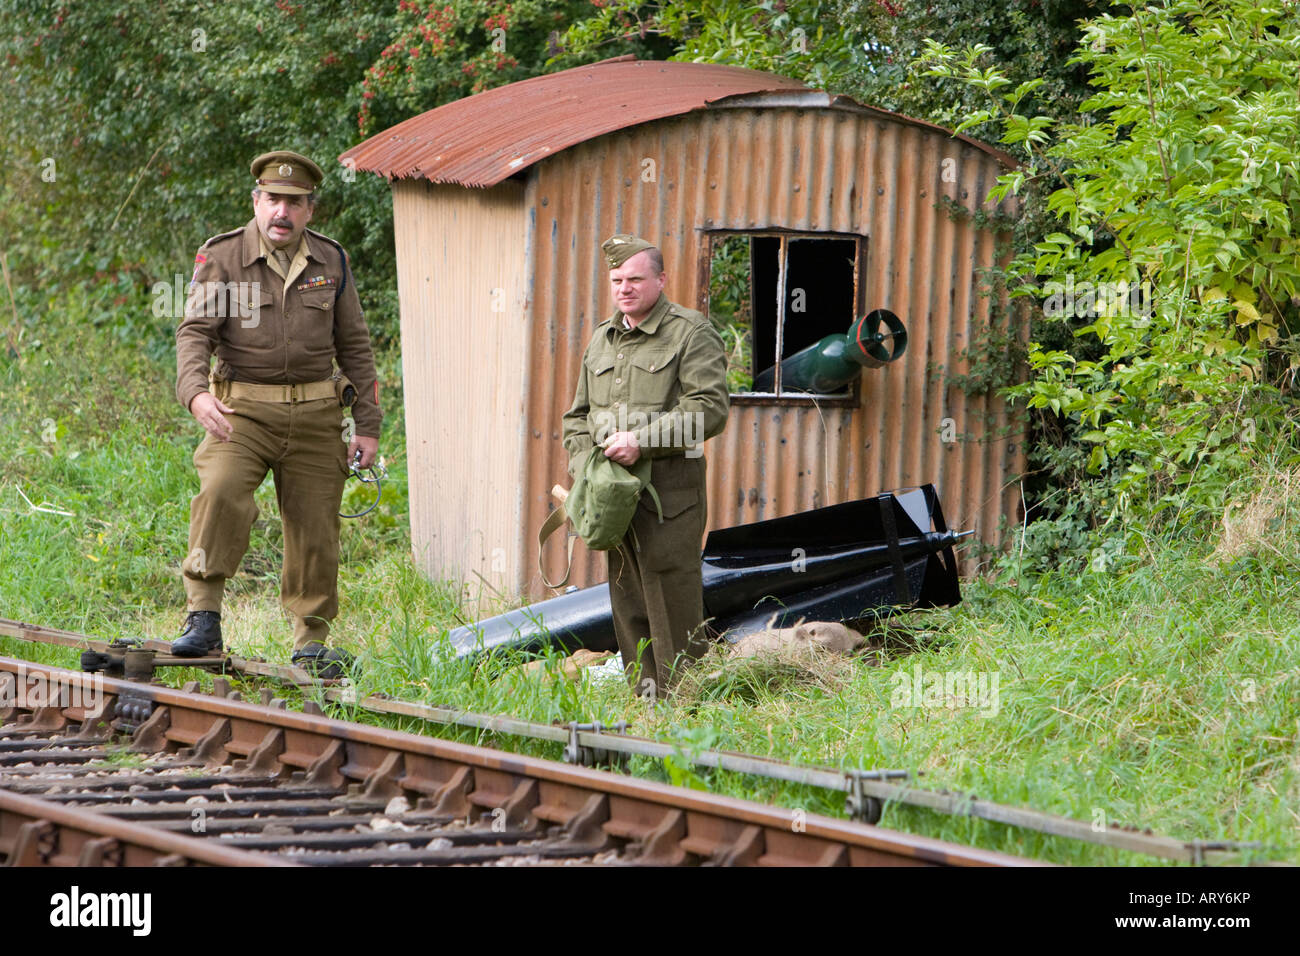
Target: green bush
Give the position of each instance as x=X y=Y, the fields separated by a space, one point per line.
x=1172 y=248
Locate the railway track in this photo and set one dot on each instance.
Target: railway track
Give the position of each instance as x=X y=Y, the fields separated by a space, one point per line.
x=98 y=771
x=866 y=790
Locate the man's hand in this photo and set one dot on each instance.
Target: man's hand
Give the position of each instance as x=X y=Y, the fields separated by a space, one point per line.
x=369 y=448
x=623 y=448
x=207 y=411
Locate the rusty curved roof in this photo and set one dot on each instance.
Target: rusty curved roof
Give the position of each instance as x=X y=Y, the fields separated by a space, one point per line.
x=484 y=139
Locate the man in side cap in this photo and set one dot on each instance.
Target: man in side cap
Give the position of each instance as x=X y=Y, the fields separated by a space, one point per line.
x=277 y=305
x=653 y=383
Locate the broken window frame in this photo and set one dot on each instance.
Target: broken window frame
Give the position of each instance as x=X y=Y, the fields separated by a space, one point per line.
x=776 y=396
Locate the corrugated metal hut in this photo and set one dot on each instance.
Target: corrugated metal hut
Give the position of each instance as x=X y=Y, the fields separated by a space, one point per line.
x=788 y=209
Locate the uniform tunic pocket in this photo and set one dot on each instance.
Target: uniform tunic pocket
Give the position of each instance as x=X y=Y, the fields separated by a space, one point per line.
x=319 y=303
x=673 y=501
x=600 y=379
x=653 y=377
x=251 y=318
x=314 y=325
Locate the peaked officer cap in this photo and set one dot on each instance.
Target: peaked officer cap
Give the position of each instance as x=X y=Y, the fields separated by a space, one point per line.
x=287 y=173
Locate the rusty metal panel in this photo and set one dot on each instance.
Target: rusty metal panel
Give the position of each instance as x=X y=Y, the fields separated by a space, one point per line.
x=460 y=280
x=807 y=169
x=483 y=139
x=486 y=138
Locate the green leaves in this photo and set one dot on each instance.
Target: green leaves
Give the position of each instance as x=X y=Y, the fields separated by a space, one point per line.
x=798 y=38
x=1183 y=180
x=148 y=112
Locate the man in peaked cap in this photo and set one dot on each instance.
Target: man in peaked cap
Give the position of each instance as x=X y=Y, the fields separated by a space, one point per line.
x=276 y=303
x=653 y=383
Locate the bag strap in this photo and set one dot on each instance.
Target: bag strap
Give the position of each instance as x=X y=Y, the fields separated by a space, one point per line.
x=641 y=470
x=655 y=496
x=554 y=521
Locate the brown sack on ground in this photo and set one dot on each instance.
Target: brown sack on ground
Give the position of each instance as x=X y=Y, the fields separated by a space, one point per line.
x=572 y=666
x=804 y=637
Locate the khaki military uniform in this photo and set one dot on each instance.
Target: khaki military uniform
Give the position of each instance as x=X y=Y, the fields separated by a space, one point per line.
x=664 y=380
x=276 y=334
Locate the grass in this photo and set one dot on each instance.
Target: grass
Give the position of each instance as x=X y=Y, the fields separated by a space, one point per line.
x=1160 y=693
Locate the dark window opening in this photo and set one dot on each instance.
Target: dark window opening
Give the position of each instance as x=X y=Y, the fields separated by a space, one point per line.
x=773 y=294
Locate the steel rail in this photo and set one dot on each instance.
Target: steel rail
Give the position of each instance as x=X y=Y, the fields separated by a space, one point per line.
x=38 y=832
x=665 y=824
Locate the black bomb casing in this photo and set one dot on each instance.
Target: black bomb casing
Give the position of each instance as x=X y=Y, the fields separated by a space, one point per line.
x=861 y=559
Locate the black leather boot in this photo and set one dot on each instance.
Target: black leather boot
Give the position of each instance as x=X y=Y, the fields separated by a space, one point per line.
x=323 y=663
x=201 y=636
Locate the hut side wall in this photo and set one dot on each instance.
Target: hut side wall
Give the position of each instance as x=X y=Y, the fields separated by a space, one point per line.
x=785 y=168
x=461 y=281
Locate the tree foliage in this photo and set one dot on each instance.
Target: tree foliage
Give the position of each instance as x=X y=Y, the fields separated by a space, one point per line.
x=1027 y=39
x=445 y=51
x=139 y=117
x=795 y=38
x=1173 y=245
x=862 y=48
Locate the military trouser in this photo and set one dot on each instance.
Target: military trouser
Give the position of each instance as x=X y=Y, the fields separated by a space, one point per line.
x=302 y=445
x=655 y=587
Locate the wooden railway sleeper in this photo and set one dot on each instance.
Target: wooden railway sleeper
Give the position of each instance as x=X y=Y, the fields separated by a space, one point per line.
x=347 y=839
x=219 y=795
x=46 y=757
x=272 y=825
x=43 y=772
x=396 y=855
x=81 y=783
x=28 y=744
x=146 y=812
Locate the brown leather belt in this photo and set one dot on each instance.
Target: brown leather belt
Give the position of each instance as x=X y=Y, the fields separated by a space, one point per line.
x=283 y=394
